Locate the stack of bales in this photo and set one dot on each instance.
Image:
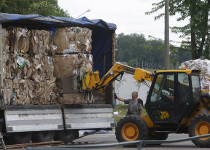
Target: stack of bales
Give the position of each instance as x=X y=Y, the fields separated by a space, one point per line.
x=204 y=66
x=31 y=66
x=73 y=59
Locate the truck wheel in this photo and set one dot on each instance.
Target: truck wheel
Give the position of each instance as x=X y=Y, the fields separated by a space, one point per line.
x=19 y=138
x=44 y=136
x=200 y=125
x=66 y=135
x=131 y=128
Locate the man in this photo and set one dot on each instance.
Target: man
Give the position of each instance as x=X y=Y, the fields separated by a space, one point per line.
x=135 y=106
x=181 y=94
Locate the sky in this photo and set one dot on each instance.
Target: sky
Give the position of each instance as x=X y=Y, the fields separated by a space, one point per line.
x=128 y=15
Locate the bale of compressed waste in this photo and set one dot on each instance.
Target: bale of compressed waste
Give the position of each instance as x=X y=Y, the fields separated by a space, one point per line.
x=199 y=64
x=31 y=68
x=72 y=39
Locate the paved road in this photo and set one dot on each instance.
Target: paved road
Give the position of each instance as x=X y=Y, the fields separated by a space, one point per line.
x=110 y=138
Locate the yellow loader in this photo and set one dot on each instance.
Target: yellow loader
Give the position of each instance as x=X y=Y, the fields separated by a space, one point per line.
x=175 y=104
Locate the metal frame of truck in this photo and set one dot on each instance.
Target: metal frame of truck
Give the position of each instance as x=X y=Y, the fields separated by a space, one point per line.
x=16 y=119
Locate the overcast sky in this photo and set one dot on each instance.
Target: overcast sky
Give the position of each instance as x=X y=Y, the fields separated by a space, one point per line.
x=128 y=15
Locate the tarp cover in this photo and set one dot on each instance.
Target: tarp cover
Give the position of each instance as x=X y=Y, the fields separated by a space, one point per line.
x=101 y=33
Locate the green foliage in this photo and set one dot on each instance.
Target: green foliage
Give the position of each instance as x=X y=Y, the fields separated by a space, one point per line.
x=206 y=52
x=2 y=2
x=41 y=7
x=178 y=55
x=122 y=110
x=140 y=52
x=135 y=50
x=196 y=31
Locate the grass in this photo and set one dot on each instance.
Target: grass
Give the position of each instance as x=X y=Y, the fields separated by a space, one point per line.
x=122 y=110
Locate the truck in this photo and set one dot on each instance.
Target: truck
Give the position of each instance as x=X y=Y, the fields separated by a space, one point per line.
x=41 y=123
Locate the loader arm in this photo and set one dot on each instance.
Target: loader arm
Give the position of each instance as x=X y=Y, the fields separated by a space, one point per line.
x=92 y=82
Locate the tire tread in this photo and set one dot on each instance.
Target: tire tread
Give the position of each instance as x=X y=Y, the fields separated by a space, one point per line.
x=194 y=121
x=133 y=119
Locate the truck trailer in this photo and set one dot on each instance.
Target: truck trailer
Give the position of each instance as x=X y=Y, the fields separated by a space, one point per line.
x=41 y=123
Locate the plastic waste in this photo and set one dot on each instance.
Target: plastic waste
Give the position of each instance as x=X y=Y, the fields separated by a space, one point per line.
x=21 y=61
x=13 y=97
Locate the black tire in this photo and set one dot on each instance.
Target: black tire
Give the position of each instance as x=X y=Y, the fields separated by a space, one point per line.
x=44 y=136
x=200 y=125
x=66 y=135
x=141 y=132
x=19 y=138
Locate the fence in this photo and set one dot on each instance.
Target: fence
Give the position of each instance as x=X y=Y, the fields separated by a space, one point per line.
x=138 y=143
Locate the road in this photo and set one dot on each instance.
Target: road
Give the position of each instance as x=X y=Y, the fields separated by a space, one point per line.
x=110 y=138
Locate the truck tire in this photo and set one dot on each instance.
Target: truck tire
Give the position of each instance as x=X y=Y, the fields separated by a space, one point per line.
x=200 y=125
x=131 y=128
x=44 y=136
x=19 y=138
x=66 y=135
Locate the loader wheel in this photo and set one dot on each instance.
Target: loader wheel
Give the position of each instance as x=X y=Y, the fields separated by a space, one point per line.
x=44 y=136
x=66 y=135
x=200 y=125
x=131 y=128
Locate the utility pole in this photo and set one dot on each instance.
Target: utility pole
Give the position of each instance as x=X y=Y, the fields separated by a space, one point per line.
x=166 y=50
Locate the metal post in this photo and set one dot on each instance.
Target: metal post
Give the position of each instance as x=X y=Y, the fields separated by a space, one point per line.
x=139 y=145
x=113 y=62
x=166 y=51
x=1 y=58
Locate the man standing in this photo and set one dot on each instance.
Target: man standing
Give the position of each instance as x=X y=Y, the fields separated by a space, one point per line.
x=134 y=107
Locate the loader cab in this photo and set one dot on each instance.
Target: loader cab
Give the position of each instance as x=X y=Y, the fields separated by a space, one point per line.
x=172 y=96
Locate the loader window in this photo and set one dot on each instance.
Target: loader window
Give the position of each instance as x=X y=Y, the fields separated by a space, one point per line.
x=163 y=88
x=183 y=88
x=156 y=89
x=196 y=89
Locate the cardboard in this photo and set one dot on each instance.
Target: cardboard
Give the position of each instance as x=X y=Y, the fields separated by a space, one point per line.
x=23 y=44
x=72 y=98
x=65 y=65
x=67 y=85
x=72 y=39
x=30 y=67
x=71 y=64
x=60 y=39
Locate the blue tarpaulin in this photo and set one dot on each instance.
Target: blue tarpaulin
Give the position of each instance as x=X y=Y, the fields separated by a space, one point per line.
x=102 y=33
x=5 y=18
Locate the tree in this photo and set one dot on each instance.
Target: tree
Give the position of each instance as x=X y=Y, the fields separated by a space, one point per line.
x=147 y=53
x=137 y=51
x=42 y=7
x=178 y=55
x=196 y=31
x=2 y=2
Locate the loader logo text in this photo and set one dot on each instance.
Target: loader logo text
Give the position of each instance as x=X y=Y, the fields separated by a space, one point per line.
x=163 y=115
